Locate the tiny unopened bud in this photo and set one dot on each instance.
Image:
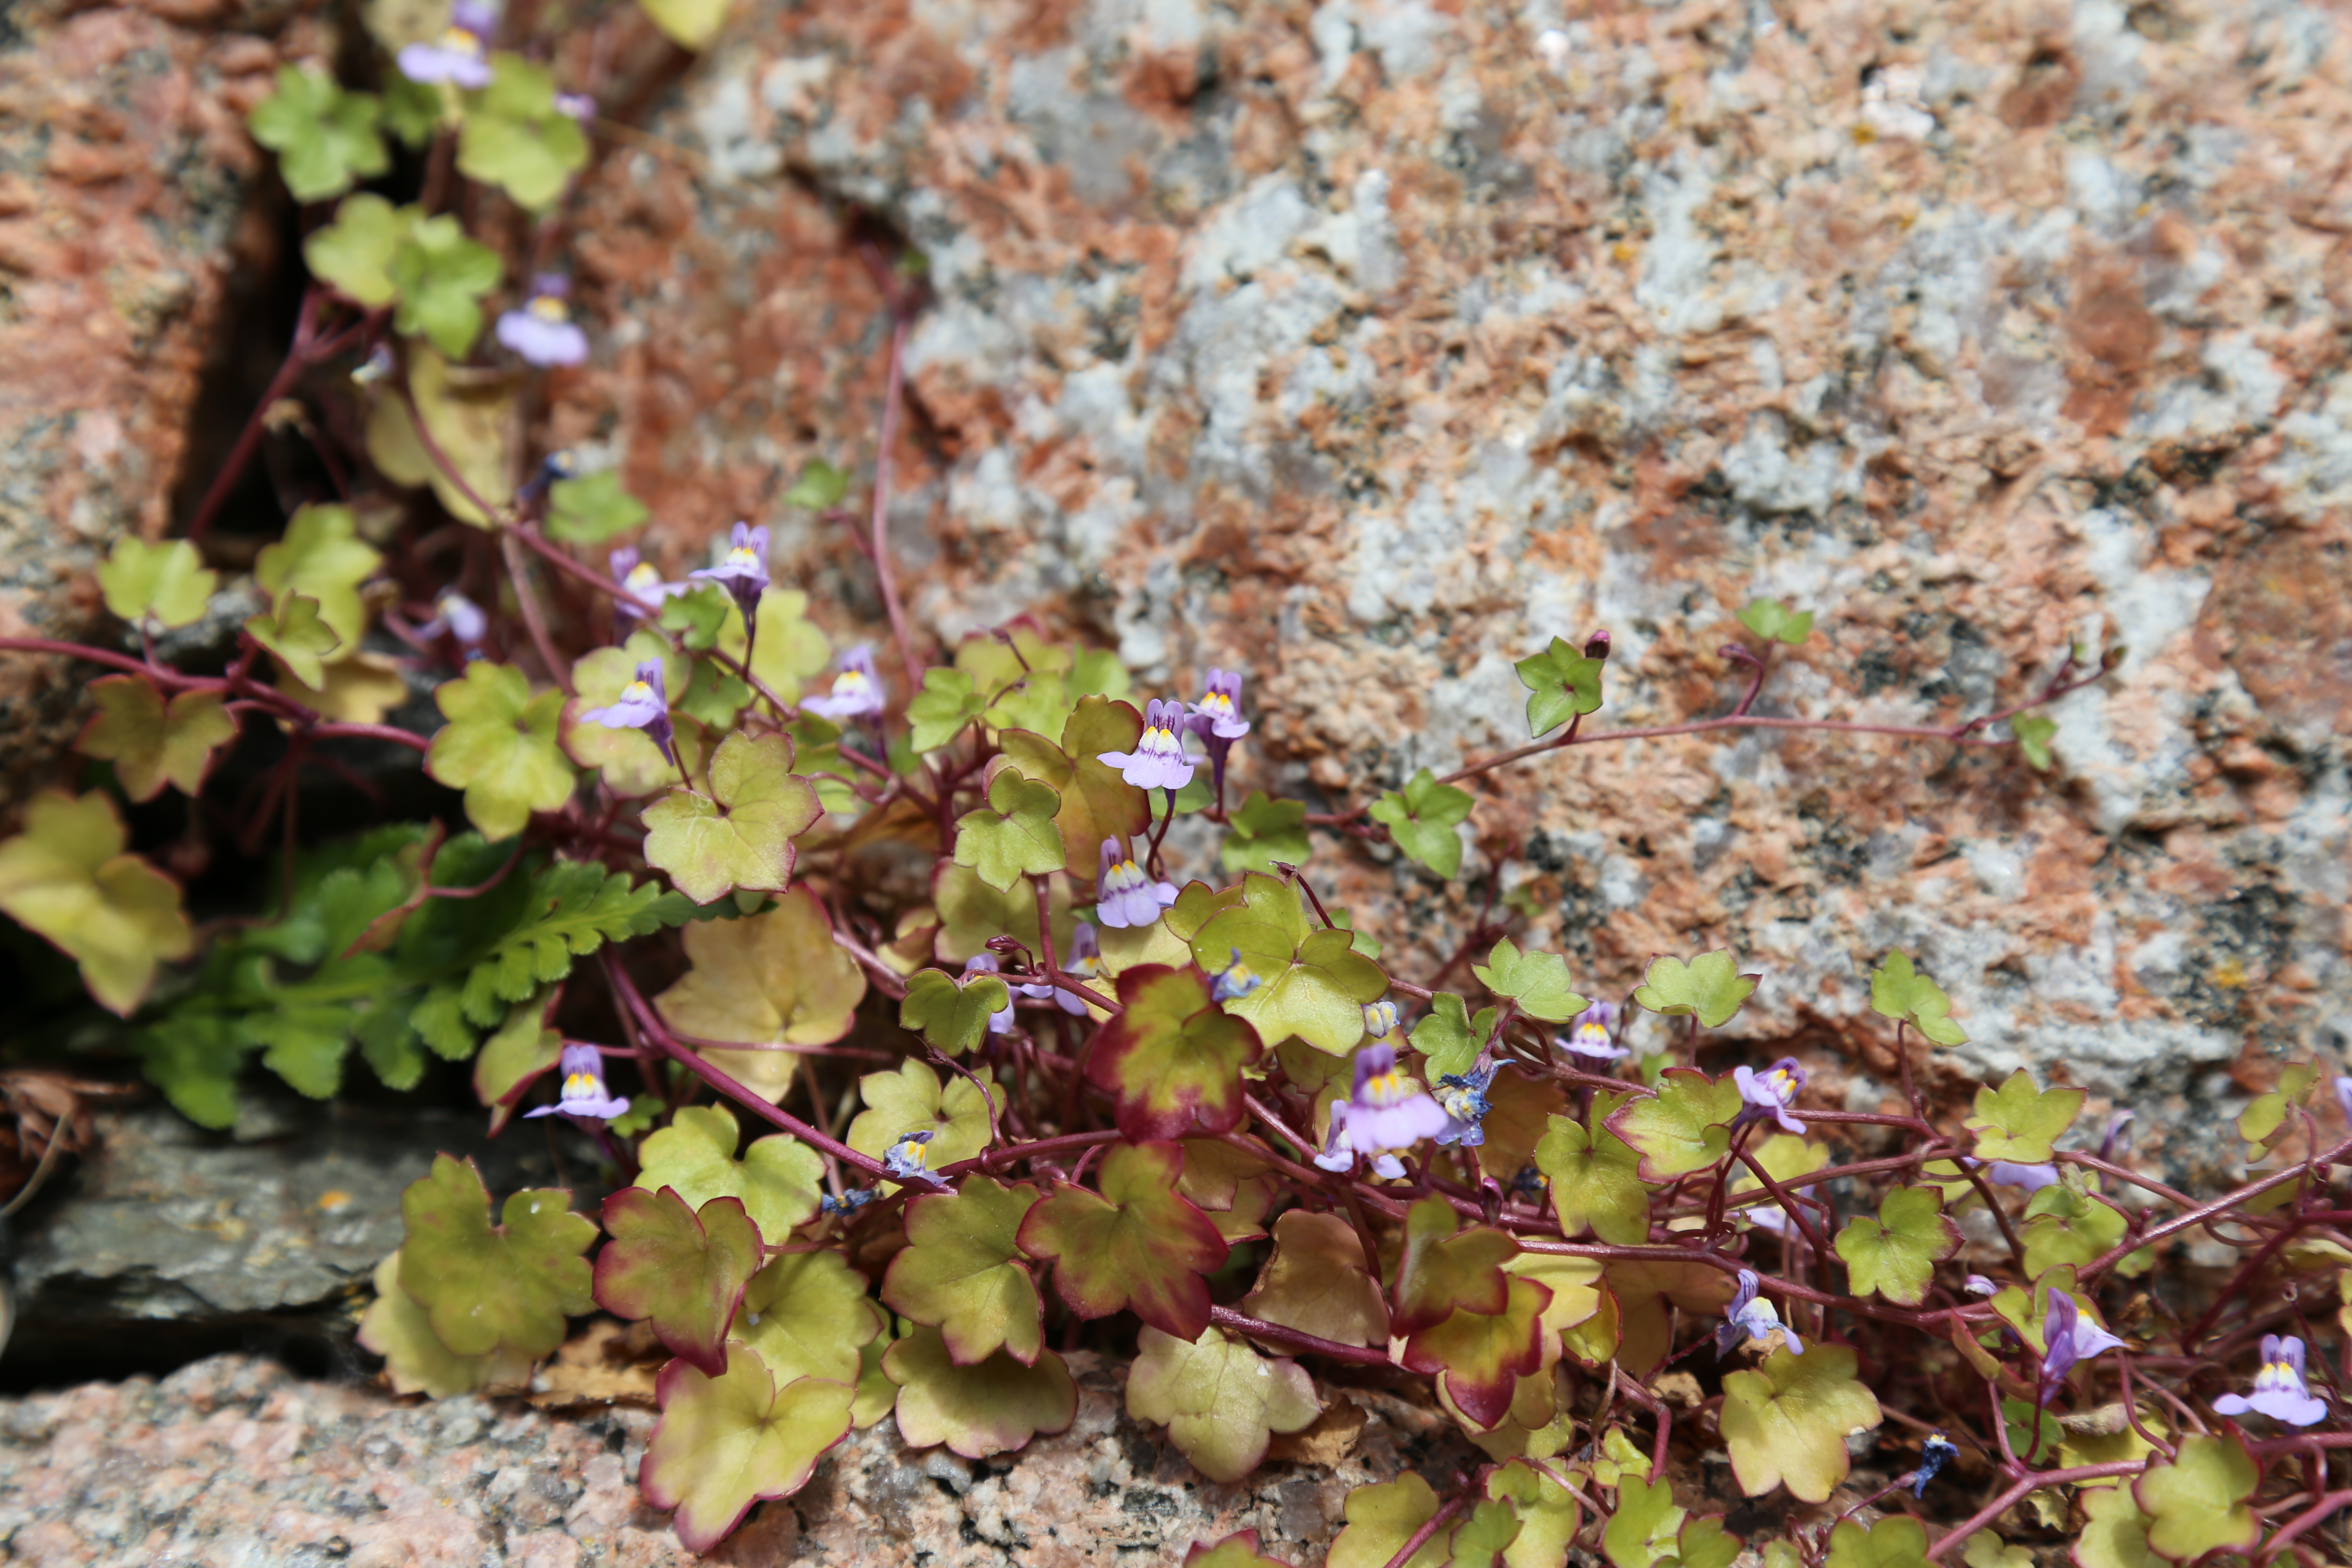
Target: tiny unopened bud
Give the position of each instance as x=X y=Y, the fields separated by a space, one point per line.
x=2112 y=656
x=1597 y=646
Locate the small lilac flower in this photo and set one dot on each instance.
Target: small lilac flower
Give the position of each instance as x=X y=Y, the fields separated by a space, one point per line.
x=644 y=704
x=1753 y=1316
x=1933 y=1454
x=542 y=330
x=640 y=578
x=1085 y=961
x=2009 y=1174
x=2343 y=1096
x=1381 y=1020
x=851 y=1200
x=1388 y=1111
x=1768 y=1093
x=857 y=690
x=1594 y=1033
x=578 y=105
x=455 y=57
x=585 y=1094
x=1126 y=899
x=1235 y=980
x=1217 y=719
x=461 y=618
x=2279 y=1390
x=2115 y=1136
x=744 y=572
x=904 y=1159
x=1977 y=1285
x=1463 y=1097
x=2071 y=1338
x=1158 y=761
x=986 y=963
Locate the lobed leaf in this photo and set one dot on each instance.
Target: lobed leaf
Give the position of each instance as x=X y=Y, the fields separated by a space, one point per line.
x=296 y=637
x=808 y=1315
x=1314 y=985
x=414 y=1359
x=1898 y=990
x=1479 y=1356
x=1220 y=1400
x=1895 y=1254
x=683 y=1268
x=488 y=1287
x=150 y=741
x=66 y=878
x=1595 y=1177
x=592 y=507
x=2034 y=731
x=1443 y=1267
x=1562 y=683
x=1173 y=1061
x=1381 y=1519
x=1787 y=1422
x=514 y=137
x=776 y=978
x=950 y=1014
x=1450 y=1037
x=325 y=138
x=1015 y=834
x=994 y=1406
x=1421 y=818
x=1318 y=1282
x=724 y=1442
x=910 y=1099
x=500 y=746
x=962 y=1272
x=1263 y=831
x=1710 y=987
x=1537 y=982
x=2019 y=1124
x=1773 y=620
x=441 y=275
x=1897 y=1541
x=166 y=584
x=740 y=834
x=1136 y=1245
x=776 y=1181
x=353 y=253
x=945 y=705
x=1684 y=1125
x=2196 y=1501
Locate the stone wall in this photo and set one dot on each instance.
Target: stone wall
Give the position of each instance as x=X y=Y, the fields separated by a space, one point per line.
x=1370 y=345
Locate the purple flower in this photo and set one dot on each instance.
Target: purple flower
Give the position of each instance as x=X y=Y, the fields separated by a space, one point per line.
x=2071 y=1338
x=1158 y=761
x=1381 y=1019
x=2009 y=1174
x=1235 y=980
x=1594 y=1034
x=640 y=579
x=1933 y=1454
x=1768 y=1093
x=904 y=1159
x=1125 y=898
x=2279 y=1391
x=578 y=105
x=1752 y=1317
x=1977 y=1285
x=584 y=1093
x=1387 y=1112
x=455 y=57
x=851 y=1200
x=986 y=963
x=2343 y=1096
x=644 y=704
x=857 y=690
x=460 y=617
x=542 y=330
x=744 y=572
x=1217 y=719
x=2114 y=1134
x=1083 y=962
x=1463 y=1097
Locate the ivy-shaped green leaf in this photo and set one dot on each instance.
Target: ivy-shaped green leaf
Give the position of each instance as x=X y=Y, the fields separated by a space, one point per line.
x=441 y=275
x=1709 y=986
x=2114 y=1533
x=1452 y=1037
x=724 y=1442
x=354 y=254
x=697 y=616
x=963 y=1273
x=910 y=1099
x=1311 y=984
x=1562 y=683
x=1421 y=818
x=1263 y=831
x=1895 y=1254
x=1595 y=1177
x=500 y=747
x=1014 y=835
x=776 y=978
x=322 y=556
x=778 y=1180
x=1220 y=1400
x=1173 y=1061
x=1136 y=1245
x=1897 y=1541
x=1898 y=990
x=819 y=488
x=66 y=880
x=415 y=1361
x=1381 y=1519
x=296 y=637
x=683 y=1268
x=1773 y=620
x=1486 y=1533
x=150 y=741
x=945 y=705
x=994 y=1406
x=740 y=834
x=164 y=584
x=2196 y=1501
x=325 y=138
x=2018 y=1122
x=1445 y=1266
x=591 y=508
x=951 y=1015
x=1647 y=1525
x=1537 y=981
x=1317 y=1282
x=1787 y=1422
x=2034 y=731
x=515 y=137
x=487 y=1286
x=2066 y=1223
x=808 y=1315
x=1685 y=1125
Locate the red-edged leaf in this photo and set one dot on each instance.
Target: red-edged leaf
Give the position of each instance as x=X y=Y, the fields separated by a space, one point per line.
x=723 y=1443
x=1138 y=1245
x=1173 y=1061
x=685 y=1271
x=1480 y=1356
x=1439 y=1270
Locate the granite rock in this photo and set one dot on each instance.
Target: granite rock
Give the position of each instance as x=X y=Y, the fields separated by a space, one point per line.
x=131 y=227
x=235 y=1460
x=1371 y=345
